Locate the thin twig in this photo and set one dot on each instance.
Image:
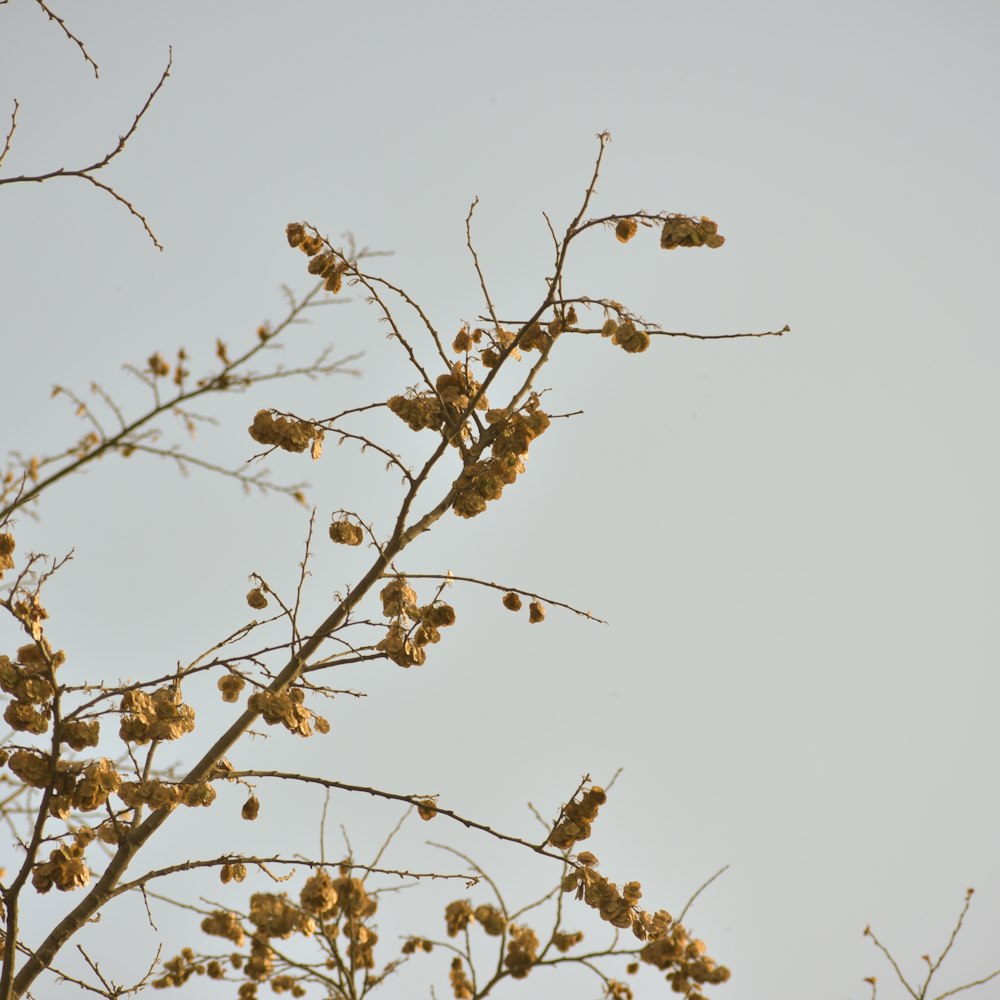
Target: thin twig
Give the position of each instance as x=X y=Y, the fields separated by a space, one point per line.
x=86 y=173
x=69 y=34
x=704 y=885
x=505 y=589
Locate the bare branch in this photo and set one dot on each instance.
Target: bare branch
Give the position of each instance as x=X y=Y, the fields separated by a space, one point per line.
x=69 y=34
x=86 y=173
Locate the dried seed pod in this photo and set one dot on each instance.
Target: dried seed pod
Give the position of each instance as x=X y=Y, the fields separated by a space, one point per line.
x=512 y=601
x=251 y=808
x=626 y=229
x=256 y=599
x=343 y=532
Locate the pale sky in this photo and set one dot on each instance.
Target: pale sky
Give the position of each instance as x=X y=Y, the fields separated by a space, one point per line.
x=794 y=540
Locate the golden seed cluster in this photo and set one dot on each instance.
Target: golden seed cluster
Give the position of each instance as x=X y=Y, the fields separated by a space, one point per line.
x=412 y=628
x=689 y=966
x=230 y=685
x=157 y=794
x=511 y=435
x=6 y=552
x=415 y=944
x=687 y=231
x=29 y=679
x=522 y=950
x=65 y=869
x=286 y=708
x=324 y=264
x=564 y=941
x=450 y=401
x=345 y=532
x=286 y=433
x=457 y=916
x=491 y=919
x=577 y=819
x=461 y=985
x=161 y=715
x=626 y=335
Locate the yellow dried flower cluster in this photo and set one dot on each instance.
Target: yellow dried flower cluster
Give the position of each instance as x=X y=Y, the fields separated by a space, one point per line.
x=538 y=338
x=330 y=267
x=511 y=436
x=158 y=794
x=491 y=919
x=287 y=433
x=274 y=916
x=286 y=708
x=221 y=923
x=626 y=335
x=161 y=715
x=319 y=895
x=414 y=944
x=461 y=985
x=522 y=950
x=617 y=908
x=79 y=734
x=6 y=552
x=65 y=869
x=28 y=679
x=687 y=961
x=344 y=899
x=686 y=231
x=75 y=785
x=453 y=395
x=419 y=411
x=577 y=818
x=615 y=989
x=98 y=780
x=32 y=766
x=564 y=941
x=327 y=265
x=31 y=614
x=345 y=532
x=179 y=970
x=230 y=685
x=457 y=916
x=412 y=628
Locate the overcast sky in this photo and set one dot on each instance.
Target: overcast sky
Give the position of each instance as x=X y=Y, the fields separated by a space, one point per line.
x=794 y=540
